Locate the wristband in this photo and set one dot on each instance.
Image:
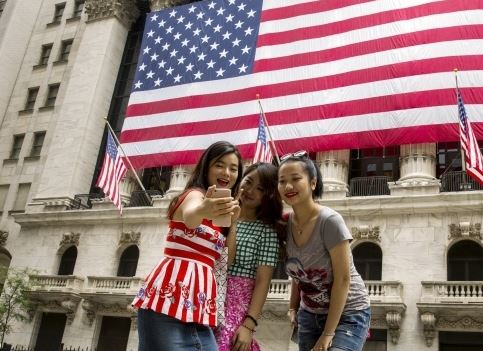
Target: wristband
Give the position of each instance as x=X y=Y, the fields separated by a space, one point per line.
x=250 y=329
x=253 y=319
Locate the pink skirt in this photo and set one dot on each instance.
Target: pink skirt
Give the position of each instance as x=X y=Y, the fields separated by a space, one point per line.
x=238 y=297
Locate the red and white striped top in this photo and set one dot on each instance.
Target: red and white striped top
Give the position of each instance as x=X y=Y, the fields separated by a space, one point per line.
x=182 y=285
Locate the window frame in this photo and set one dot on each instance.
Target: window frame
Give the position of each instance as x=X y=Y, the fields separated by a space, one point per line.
x=44 y=58
x=50 y=100
x=78 y=8
x=58 y=12
x=63 y=54
x=16 y=208
x=16 y=149
x=3 y=3
x=36 y=145
x=32 y=94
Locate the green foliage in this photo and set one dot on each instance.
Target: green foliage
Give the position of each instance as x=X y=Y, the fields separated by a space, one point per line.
x=14 y=301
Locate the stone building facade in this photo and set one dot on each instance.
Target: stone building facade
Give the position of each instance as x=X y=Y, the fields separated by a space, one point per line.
x=416 y=223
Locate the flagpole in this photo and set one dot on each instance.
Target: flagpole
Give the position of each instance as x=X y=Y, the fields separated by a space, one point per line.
x=463 y=158
x=268 y=128
x=127 y=158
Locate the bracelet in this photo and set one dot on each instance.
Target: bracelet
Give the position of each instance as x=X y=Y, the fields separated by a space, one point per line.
x=250 y=329
x=253 y=319
x=328 y=334
x=293 y=309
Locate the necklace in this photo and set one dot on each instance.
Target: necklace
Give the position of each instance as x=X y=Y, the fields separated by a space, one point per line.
x=299 y=229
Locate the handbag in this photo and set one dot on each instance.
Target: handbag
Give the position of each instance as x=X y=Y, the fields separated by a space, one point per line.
x=220 y=271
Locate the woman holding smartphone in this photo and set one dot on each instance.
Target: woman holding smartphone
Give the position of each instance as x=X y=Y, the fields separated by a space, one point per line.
x=176 y=305
x=334 y=306
x=257 y=250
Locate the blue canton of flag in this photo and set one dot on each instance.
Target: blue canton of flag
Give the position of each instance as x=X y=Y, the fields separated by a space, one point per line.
x=203 y=41
x=263 y=152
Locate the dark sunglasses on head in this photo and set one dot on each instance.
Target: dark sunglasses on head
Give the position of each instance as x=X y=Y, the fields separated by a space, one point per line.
x=297 y=154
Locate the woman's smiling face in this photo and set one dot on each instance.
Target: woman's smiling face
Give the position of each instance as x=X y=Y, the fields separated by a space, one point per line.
x=294 y=185
x=224 y=171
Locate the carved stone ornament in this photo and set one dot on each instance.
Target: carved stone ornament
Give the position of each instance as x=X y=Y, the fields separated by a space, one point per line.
x=465 y=323
x=70 y=238
x=366 y=232
x=429 y=324
x=90 y=308
x=130 y=238
x=393 y=320
x=157 y=5
x=67 y=306
x=3 y=237
x=124 y=10
x=465 y=230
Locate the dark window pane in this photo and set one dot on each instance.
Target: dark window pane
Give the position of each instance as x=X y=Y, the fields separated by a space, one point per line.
x=59 y=12
x=128 y=262
x=16 y=146
x=31 y=97
x=37 y=144
x=67 y=262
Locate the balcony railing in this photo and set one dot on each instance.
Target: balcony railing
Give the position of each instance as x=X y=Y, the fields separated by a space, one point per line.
x=56 y=282
x=384 y=291
x=469 y=292
x=141 y=198
x=83 y=201
x=113 y=285
x=279 y=290
x=369 y=186
x=458 y=181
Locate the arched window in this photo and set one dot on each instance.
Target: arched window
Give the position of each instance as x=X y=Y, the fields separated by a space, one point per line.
x=465 y=260
x=67 y=262
x=368 y=261
x=128 y=262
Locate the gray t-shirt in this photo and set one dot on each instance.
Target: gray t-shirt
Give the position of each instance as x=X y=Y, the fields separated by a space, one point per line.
x=310 y=265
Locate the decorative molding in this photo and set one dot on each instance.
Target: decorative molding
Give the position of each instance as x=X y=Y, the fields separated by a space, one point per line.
x=157 y=5
x=69 y=238
x=393 y=320
x=67 y=306
x=464 y=323
x=129 y=238
x=429 y=324
x=90 y=308
x=465 y=230
x=3 y=237
x=125 y=10
x=365 y=232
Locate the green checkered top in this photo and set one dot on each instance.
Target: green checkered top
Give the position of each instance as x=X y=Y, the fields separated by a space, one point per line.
x=256 y=245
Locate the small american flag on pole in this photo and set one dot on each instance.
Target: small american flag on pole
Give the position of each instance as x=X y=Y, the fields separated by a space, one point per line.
x=112 y=172
x=263 y=152
x=473 y=157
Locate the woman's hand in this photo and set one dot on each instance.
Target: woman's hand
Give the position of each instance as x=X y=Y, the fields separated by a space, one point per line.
x=292 y=314
x=324 y=342
x=211 y=208
x=242 y=339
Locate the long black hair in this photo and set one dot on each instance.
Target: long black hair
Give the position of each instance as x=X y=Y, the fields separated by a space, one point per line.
x=313 y=172
x=199 y=177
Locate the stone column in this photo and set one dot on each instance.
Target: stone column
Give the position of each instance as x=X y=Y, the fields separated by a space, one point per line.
x=418 y=170
x=179 y=178
x=334 y=166
x=127 y=186
x=79 y=120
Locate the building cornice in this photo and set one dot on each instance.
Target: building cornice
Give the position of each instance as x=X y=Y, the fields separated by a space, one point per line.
x=124 y=10
x=468 y=202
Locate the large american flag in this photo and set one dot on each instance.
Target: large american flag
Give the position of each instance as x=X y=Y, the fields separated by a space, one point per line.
x=333 y=74
x=112 y=172
x=263 y=151
x=469 y=144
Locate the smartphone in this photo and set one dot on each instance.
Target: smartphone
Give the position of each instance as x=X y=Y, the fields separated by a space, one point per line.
x=225 y=220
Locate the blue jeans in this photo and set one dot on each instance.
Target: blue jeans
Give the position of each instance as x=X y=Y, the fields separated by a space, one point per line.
x=159 y=332
x=350 y=334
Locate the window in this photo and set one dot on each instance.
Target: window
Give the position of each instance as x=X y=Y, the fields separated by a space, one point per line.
x=45 y=54
x=17 y=146
x=52 y=94
x=128 y=262
x=31 y=97
x=37 y=144
x=2 y=6
x=448 y=158
x=3 y=195
x=375 y=162
x=67 y=262
x=376 y=341
x=465 y=260
x=368 y=261
x=460 y=341
x=22 y=197
x=65 y=50
x=59 y=12
x=78 y=8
